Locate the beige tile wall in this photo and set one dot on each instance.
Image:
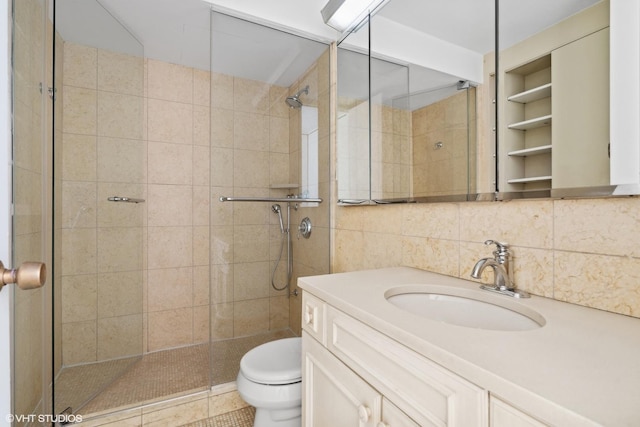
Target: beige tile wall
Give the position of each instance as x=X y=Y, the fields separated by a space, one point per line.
x=390 y=152
x=145 y=268
x=389 y=158
x=442 y=171
x=249 y=153
x=580 y=251
x=177 y=294
x=135 y=276
x=103 y=151
x=353 y=158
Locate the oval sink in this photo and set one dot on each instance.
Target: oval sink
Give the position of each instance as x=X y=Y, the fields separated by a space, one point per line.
x=467 y=311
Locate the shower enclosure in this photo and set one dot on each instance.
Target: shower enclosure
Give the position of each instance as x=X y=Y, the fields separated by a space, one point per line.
x=258 y=117
x=159 y=287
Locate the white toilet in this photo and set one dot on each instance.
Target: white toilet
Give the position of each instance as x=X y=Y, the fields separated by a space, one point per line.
x=270 y=379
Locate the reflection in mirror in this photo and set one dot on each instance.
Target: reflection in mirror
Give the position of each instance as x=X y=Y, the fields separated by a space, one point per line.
x=419 y=109
x=390 y=130
x=353 y=126
x=444 y=142
x=309 y=153
x=553 y=97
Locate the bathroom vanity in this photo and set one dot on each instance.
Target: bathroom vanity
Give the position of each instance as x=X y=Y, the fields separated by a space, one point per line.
x=369 y=360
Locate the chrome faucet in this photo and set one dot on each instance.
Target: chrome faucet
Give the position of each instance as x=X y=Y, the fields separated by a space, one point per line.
x=502 y=272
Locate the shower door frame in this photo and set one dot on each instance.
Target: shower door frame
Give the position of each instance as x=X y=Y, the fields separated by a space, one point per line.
x=6 y=322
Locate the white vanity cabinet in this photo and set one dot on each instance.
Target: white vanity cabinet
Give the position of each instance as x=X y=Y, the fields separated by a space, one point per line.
x=360 y=377
x=365 y=356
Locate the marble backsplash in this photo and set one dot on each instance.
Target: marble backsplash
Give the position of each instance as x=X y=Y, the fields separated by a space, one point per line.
x=584 y=252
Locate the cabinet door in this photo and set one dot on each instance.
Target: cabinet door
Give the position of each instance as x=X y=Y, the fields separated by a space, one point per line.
x=424 y=390
x=333 y=395
x=580 y=108
x=392 y=416
x=501 y=414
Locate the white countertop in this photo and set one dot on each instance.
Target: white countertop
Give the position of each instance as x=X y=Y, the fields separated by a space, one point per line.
x=584 y=360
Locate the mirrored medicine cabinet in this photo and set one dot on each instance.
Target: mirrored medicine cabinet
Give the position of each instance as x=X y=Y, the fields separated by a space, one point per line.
x=423 y=116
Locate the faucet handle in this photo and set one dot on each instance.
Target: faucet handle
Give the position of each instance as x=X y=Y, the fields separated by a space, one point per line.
x=502 y=248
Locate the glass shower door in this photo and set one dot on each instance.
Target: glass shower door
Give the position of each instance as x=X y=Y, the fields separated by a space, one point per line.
x=31 y=238
x=100 y=188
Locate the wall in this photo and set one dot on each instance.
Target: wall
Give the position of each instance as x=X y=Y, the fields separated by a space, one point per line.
x=101 y=259
x=584 y=252
x=445 y=170
x=390 y=152
x=148 y=289
x=250 y=153
x=135 y=276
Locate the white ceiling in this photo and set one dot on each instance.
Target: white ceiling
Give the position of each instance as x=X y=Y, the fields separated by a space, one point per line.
x=178 y=31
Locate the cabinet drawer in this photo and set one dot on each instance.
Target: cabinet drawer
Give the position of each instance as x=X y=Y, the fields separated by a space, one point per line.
x=504 y=415
x=424 y=390
x=313 y=315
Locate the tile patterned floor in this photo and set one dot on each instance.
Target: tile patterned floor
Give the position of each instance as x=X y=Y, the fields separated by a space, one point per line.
x=108 y=386
x=240 y=418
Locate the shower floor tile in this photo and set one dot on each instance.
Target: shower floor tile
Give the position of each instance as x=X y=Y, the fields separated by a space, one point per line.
x=104 y=387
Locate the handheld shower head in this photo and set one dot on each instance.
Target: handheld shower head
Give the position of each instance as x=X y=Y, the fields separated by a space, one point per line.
x=293 y=101
x=276 y=209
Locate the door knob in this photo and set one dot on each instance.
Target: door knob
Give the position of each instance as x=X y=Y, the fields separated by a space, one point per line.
x=30 y=275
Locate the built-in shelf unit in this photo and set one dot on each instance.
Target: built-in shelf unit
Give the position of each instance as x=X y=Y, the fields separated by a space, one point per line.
x=528 y=142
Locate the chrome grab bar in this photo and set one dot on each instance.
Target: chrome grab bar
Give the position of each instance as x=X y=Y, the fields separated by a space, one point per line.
x=125 y=199
x=270 y=199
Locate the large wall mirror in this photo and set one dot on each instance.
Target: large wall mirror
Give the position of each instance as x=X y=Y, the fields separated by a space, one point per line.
x=416 y=114
x=409 y=90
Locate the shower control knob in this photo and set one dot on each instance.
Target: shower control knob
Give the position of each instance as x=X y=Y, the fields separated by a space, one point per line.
x=304 y=229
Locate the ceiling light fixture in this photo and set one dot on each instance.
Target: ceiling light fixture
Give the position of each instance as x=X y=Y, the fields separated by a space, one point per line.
x=344 y=14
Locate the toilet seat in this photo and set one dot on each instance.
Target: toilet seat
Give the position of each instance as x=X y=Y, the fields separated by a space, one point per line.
x=274 y=363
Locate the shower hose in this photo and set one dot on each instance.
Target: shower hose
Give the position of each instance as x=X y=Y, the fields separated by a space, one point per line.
x=286 y=235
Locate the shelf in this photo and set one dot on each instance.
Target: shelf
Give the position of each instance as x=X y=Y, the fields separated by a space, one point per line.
x=532 y=123
x=531 y=95
x=531 y=179
x=543 y=149
x=284 y=186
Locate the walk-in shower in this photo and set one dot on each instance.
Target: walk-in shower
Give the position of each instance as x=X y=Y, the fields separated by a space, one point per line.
x=162 y=298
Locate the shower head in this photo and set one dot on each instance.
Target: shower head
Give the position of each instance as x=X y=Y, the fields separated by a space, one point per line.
x=276 y=209
x=293 y=101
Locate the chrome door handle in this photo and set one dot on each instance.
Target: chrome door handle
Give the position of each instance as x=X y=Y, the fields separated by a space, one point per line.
x=30 y=275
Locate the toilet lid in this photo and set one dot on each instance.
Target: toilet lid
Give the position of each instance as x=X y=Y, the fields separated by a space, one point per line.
x=276 y=362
